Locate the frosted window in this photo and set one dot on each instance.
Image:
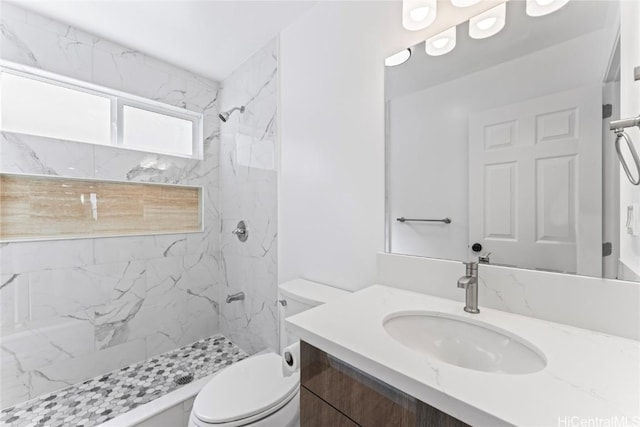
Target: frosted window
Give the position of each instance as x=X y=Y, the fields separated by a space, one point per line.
x=35 y=107
x=36 y=102
x=153 y=131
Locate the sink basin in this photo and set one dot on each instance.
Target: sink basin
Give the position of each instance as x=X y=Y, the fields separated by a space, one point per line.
x=463 y=342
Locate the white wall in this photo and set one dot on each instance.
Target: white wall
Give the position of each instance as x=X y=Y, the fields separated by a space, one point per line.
x=331 y=182
x=433 y=124
x=629 y=107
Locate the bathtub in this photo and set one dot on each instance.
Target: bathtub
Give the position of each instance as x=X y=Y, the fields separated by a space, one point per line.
x=170 y=410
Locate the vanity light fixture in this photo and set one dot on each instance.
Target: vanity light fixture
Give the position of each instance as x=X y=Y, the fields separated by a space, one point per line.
x=544 y=7
x=398 y=58
x=464 y=3
x=418 y=14
x=488 y=23
x=441 y=43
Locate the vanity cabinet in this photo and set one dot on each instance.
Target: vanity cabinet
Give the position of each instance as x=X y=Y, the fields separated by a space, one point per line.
x=333 y=393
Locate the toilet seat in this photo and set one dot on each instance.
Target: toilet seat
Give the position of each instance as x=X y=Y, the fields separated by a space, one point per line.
x=246 y=391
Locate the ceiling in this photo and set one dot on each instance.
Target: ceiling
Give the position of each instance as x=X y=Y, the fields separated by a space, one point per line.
x=208 y=37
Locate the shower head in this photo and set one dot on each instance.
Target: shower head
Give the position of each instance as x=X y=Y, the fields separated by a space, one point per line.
x=225 y=116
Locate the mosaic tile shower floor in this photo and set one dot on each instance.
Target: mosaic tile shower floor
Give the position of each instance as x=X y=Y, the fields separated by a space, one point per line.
x=104 y=397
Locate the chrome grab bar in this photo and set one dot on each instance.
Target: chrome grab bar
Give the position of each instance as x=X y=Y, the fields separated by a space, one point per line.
x=403 y=219
x=618 y=126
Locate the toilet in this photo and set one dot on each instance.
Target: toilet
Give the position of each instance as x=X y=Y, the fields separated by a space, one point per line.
x=255 y=391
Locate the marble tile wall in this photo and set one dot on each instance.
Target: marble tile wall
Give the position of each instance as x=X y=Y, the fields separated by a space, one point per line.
x=248 y=181
x=72 y=309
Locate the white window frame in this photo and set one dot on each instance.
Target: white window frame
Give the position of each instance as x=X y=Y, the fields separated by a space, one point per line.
x=118 y=99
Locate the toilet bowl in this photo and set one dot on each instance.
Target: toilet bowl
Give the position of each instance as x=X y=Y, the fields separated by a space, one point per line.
x=256 y=391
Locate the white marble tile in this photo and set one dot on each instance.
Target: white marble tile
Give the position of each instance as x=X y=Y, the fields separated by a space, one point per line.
x=207 y=241
x=203 y=304
x=112 y=322
x=117 y=249
x=46 y=343
x=14 y=301
x=128 y=293
x=78 y=369
x=129 y=165
x=41 y=48
x=13 y=13
x=252 y=322
x=124 y=71
x=202 y=325
x=201 y=96
x=26 y=257
x=45 y=156
x=200 y=272
x=14 y=388
x=171 y=244
x=65 y=292
x=164 y=275
x=163 y=321
x=604 y=305
x=17 y=387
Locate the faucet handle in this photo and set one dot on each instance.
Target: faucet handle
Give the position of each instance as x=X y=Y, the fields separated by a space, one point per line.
x=484 y=258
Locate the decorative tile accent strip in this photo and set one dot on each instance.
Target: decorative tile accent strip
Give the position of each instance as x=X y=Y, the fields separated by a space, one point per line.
x=104 y=397
x=41 y=207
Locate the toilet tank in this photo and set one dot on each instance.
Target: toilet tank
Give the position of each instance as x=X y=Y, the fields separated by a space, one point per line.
x=299 y=295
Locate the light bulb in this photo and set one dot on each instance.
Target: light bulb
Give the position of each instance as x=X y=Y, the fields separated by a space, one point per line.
x=488 y=23
x=398 y=58
x=419 y=13
x=464 y=3
x=441 y=43
x=544 y=7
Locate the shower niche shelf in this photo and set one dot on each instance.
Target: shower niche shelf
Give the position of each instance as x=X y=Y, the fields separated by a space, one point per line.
x=37 y=207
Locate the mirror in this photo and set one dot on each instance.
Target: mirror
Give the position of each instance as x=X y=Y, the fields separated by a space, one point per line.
x=505 y=137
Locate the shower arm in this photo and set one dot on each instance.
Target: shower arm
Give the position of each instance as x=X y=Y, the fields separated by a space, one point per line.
x=618 y=126
x=236 y=109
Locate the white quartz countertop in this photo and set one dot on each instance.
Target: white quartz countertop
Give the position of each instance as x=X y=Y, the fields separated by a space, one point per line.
x=589 y=376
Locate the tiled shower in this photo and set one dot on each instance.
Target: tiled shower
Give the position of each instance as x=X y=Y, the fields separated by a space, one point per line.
x=76 y=308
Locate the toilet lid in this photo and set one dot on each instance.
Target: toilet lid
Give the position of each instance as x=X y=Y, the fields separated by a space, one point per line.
x=245 y=389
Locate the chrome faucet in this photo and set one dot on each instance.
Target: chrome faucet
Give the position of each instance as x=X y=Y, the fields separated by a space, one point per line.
x=470 y=284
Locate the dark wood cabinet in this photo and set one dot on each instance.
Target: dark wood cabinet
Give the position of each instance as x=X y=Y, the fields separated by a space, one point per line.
x=318 y=413
x=334 y=393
